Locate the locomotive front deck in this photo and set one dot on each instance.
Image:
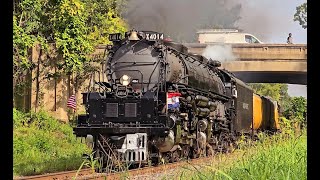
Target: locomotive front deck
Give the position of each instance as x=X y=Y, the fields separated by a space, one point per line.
x=83 y=131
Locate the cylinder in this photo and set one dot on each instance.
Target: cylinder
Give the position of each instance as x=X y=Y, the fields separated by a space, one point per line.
x=201 y=101
x=201 y=98
x=203 y=112
x=212 y=106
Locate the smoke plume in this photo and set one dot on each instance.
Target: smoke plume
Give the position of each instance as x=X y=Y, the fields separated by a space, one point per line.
x=180 y=19
x=221 y=53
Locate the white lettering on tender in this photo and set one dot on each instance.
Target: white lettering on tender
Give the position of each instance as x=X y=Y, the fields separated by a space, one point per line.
x=245 y=106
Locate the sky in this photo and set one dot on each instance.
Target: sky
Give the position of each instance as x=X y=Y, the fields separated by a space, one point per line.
x=271 y=21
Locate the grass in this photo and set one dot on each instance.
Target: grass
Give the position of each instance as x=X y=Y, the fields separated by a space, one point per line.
x=282 y=156
x=41 y=144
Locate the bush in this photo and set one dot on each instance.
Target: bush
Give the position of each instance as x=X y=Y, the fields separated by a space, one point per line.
x=297 y=110
x=41 y=144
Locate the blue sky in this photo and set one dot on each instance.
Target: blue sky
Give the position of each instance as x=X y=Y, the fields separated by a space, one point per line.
x=271 y=21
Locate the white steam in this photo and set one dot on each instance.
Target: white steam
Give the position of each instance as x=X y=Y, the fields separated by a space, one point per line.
x=219 y=52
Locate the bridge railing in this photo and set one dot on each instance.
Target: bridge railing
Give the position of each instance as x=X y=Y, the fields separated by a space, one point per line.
x=260 y=52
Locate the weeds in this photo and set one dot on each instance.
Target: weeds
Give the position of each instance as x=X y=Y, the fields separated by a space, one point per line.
x=89 y=162
x=41 y=144
x=92 y=162
x=281 y=156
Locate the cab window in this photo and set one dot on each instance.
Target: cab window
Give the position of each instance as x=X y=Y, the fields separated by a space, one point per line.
x=254 y=40
x=248 y=39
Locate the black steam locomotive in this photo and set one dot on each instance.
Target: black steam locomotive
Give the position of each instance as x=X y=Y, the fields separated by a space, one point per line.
x=162 y=102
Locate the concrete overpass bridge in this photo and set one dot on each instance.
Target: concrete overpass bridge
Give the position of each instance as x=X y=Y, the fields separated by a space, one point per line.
x=265 y=63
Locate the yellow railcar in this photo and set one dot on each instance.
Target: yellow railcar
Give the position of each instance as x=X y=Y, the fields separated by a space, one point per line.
x=265 y=113
x=257 y=112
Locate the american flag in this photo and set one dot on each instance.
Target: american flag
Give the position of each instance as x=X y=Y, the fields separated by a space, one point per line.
x=72 y=102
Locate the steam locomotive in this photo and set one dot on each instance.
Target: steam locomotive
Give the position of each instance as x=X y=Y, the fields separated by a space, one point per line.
x=162 y=102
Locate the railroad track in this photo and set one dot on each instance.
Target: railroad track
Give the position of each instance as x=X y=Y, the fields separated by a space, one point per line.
x=66 y=175
x=87 y=174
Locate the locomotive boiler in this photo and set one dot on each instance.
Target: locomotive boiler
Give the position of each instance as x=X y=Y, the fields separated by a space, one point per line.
x=162 y=102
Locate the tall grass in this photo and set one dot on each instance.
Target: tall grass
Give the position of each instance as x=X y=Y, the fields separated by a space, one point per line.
x=282 y=156
x=41 y=144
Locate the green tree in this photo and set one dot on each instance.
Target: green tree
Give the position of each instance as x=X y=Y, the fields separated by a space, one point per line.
x=297 y=110
x=278 y=92
x=267 y=89
x=301 y=15
x=27 y=31
x=106 y=19
x=74 y=27
x=285 y=99
x=70 y=33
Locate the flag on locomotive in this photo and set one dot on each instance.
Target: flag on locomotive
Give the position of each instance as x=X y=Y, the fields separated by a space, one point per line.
x=173 y=100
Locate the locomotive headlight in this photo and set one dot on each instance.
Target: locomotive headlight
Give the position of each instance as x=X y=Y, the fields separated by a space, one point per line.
x=125 y=80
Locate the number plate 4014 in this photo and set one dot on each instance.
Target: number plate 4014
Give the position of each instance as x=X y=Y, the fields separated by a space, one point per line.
x=154 y=36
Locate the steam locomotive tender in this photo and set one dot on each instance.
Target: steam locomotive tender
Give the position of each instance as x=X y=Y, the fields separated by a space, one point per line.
x=161 y=101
